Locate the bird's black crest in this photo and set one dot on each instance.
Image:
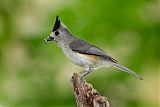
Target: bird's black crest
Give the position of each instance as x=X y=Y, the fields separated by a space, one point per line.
x=56 y=24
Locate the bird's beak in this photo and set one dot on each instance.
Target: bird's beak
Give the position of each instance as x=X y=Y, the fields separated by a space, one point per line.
x=48 y=39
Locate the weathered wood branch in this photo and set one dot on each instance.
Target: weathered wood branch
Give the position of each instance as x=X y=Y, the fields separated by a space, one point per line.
x=86 y=95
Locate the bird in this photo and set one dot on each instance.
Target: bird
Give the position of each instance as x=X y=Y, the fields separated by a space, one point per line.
x=82 y=53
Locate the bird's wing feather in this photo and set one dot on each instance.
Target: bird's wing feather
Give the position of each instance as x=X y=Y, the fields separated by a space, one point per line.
x=83 y=47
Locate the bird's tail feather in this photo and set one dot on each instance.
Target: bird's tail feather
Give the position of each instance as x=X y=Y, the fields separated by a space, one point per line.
x=123 y=68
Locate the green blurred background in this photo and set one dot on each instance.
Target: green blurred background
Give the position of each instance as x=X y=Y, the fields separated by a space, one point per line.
x=36 y=75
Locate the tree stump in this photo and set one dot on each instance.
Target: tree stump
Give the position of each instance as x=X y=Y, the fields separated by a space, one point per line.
x=86 y=95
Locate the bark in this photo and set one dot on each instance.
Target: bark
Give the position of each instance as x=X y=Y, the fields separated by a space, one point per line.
x=86 y=95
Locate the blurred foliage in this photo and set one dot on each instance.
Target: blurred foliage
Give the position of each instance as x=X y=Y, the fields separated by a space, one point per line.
x=36 y=75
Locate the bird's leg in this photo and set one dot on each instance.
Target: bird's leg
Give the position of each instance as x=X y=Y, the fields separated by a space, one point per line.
x=82 y=72
x=86 y=72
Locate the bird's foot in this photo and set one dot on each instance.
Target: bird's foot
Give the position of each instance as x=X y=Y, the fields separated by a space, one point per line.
x=82 y=72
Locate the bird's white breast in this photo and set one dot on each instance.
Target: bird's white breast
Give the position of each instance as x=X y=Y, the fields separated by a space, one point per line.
x=82 y=59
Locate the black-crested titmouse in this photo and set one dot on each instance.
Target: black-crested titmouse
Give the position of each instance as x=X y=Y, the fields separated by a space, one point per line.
x=81 y=52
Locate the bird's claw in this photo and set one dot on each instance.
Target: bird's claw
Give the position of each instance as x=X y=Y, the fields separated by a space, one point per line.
x=82 y=72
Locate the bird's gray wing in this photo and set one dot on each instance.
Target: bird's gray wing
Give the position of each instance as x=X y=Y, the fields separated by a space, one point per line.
x=83 y=47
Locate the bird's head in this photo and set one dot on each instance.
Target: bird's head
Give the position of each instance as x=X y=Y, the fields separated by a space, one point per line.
x=59 y=32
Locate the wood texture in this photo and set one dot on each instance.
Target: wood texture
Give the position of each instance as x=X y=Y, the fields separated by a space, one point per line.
x=86 y=95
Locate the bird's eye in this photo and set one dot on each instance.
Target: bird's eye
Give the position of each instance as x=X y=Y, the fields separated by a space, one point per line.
x=56 y=33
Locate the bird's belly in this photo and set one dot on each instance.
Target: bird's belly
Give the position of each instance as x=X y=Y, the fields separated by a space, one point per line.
x=83 y=59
